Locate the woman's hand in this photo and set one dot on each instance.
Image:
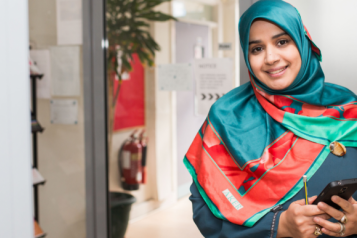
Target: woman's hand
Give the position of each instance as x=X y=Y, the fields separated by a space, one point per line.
x=298 y=221
x=349 y=209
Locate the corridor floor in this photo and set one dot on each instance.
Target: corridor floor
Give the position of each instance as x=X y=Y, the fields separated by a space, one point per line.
x=173 y=222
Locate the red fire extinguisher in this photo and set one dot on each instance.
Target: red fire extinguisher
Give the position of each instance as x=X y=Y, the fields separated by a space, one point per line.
x=130 y=163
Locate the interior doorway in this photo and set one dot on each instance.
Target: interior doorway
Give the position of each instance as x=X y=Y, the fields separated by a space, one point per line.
x=188 y=122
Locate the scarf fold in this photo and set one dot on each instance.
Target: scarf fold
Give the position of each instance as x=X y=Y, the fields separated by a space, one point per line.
x=256 y=143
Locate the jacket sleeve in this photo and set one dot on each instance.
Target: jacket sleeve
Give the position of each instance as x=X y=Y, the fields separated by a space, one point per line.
x=213 y=227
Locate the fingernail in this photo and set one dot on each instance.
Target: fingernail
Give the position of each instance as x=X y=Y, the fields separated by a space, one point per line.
x=316 y=219
x=334 y=198
x=321 y=204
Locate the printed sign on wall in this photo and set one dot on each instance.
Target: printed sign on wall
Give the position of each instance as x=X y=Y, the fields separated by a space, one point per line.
x=214 y=78
x=64 y=111
x=225 y=46
x=175 y=77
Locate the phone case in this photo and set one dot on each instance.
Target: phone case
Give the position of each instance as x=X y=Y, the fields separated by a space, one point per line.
x=343 y=188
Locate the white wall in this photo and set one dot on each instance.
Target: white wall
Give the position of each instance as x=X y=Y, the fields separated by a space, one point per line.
x=164 y=113
x=230 y=34
x=243 y=72
x=332 y=25
x=16 y=218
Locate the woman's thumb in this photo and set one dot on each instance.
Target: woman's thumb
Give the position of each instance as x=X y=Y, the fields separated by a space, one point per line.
x=312 y=199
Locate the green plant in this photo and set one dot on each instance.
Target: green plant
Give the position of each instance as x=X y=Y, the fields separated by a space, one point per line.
x=127 y=31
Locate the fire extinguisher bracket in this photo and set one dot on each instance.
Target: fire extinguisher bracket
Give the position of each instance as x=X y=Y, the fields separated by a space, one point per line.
x=130 y=187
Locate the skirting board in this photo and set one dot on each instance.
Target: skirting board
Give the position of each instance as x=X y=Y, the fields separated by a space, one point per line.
x=141 y=210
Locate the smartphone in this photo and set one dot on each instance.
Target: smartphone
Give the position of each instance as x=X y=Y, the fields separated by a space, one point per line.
x=343 y=188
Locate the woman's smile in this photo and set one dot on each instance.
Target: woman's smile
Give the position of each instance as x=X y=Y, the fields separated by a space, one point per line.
x=277 y=72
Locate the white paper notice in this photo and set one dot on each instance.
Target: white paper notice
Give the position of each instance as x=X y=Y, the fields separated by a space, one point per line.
x=175 y=77
x=69 y=22
x=65 y=70
x=64 y=111
x=214 y=78
x=43 y=62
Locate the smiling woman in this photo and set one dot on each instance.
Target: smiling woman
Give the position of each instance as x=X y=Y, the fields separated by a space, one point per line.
x=248 y=158
x=273 y=55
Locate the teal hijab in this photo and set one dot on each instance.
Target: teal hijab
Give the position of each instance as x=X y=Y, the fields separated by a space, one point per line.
x=309 y=85
x=238 y=116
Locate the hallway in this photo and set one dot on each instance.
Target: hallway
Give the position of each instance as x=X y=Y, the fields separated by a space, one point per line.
x=173 y=222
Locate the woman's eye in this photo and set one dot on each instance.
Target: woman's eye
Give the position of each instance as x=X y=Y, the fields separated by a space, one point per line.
x=282 y=42
x=256 y=49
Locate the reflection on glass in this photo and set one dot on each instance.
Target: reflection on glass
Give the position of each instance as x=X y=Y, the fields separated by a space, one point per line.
x=126 y=101
x=131 y=48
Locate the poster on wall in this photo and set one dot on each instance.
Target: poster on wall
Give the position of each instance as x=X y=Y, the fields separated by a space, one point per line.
x=42 y=59
x=69 y=22
x=214 y=78
x=64 y=111
x=175 y=77
x=65 y=70
x=130 y=105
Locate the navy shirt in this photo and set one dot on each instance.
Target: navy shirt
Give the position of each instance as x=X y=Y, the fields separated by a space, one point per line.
x=334 y=168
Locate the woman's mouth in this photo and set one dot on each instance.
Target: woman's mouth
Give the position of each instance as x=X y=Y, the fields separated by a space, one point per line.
x=277 y=72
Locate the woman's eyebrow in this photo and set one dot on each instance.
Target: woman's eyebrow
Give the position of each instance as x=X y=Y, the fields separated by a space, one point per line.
x=278 y=35
x=274 y=37
x=254 y=42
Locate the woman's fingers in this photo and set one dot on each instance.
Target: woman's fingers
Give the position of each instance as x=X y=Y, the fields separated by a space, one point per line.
x=352 y=200
x=330 y=233
x=330 y=210
x=345 y=205
x=333 y=227
x=311 y=210
x=324 y=216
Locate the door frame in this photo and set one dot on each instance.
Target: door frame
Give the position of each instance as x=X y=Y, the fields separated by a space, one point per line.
x=95 y=114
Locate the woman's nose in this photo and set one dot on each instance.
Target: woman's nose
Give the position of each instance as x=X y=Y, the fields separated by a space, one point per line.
x=271 y=57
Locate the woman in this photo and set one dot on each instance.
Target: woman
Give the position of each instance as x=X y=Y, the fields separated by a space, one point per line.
x=257 y=142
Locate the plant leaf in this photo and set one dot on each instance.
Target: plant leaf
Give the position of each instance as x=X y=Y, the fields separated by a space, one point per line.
x=156 y=16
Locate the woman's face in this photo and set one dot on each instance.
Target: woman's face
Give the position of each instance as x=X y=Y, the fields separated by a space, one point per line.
x=273 y=55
